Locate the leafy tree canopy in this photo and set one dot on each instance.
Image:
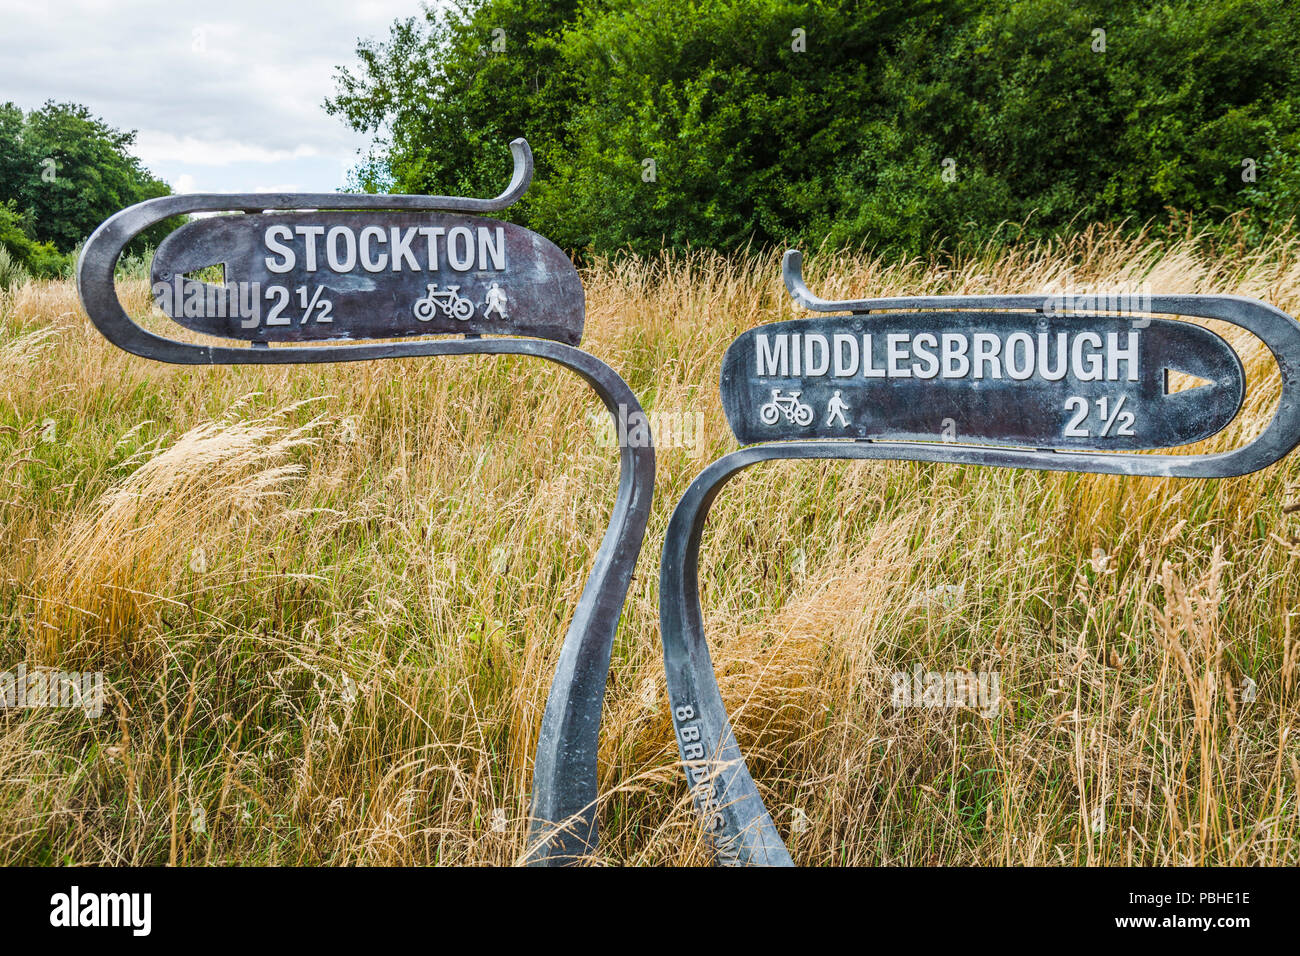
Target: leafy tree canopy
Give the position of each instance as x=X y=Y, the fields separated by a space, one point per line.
x=898 y=123
x=63 y=171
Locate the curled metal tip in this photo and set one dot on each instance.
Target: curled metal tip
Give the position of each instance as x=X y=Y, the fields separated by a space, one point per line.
x=792 y=273
x=519 y=179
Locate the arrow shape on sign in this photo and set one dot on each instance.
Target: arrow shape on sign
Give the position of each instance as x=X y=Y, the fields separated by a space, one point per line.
x=1176 y=380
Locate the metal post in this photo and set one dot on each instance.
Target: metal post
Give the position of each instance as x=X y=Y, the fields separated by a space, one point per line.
x=734 y=817
x=563 y=827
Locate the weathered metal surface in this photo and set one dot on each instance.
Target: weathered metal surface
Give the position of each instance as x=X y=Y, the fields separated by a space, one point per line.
x=564 y=774
x=981 y=377
x=730 y=804
x=302 y=276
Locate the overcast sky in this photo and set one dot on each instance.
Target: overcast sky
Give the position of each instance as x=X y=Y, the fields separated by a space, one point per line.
x=226 y=95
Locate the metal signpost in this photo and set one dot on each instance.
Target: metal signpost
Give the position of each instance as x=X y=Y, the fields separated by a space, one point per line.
x=310 y=277
x=1006 y=381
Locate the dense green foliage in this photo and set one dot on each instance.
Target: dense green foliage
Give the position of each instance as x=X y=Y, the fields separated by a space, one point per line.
x=63 y=171
x=449 y=104
x=40 y=258
x=900 y=123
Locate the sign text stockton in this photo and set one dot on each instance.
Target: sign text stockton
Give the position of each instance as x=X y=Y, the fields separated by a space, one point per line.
x=350 y=275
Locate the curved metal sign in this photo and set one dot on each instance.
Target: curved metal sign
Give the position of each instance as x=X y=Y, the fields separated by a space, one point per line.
x=302 y=269
x=897 y=376
x=292 y=277
x=996 y=377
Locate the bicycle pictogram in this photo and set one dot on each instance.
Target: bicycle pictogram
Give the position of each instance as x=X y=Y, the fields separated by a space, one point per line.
x=448 y=302
x=789 y=405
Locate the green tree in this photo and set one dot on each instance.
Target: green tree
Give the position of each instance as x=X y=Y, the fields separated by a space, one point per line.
x=66 y=171
x=903 y=124
x=446 y=95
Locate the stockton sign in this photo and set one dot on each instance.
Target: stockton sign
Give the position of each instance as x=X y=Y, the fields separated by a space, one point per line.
x=381 y=274
x=298 y=278
x=1008 y=381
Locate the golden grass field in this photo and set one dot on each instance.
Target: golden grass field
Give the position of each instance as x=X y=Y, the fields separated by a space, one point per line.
x=328 y=600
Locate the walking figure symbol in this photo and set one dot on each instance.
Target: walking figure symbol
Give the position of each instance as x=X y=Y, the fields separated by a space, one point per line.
x=836 y=408
x=496 y=301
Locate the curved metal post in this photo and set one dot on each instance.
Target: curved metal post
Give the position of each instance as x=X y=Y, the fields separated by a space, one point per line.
x=563 y=825
x=735 y=818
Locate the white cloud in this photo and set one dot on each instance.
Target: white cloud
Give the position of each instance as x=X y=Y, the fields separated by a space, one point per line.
x=153 y=147
x=225 y=97
x=280 y=188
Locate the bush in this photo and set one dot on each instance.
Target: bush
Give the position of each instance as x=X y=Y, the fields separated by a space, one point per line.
x=38 y=258
x=12 y=274
x=901 y=124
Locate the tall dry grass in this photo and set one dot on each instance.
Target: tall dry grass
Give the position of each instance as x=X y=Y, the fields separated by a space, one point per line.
x=328 y=600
